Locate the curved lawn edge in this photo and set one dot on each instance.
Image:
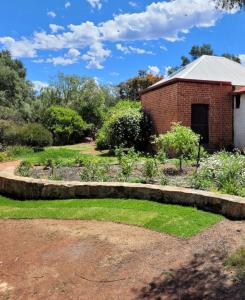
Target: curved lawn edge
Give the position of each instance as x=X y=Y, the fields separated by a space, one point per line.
x=28 y=188
x=175 y=220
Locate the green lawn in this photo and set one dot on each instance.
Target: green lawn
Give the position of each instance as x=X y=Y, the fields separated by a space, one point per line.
x=63 y=156
x=173 y=219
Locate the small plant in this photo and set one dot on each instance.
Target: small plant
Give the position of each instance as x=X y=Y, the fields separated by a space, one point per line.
x=127 y=166
x=93 y=171
x=55 y=177
x=24 y=169
x=80 y=161
x=161 y=156
x=150 y=169
x=237 y=261
x=163 y=179
x=50 y=164
x=119 y=152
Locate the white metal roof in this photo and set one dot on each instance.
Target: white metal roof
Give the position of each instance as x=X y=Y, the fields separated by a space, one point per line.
x=212 y=68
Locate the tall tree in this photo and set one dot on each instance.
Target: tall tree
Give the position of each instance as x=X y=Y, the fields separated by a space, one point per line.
x=84 y=95
x=15 y=90
x=131 y=88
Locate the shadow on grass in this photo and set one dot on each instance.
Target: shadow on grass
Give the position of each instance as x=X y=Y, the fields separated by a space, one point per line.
x=205 y=277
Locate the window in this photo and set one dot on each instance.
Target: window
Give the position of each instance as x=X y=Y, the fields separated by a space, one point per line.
x=238 y=101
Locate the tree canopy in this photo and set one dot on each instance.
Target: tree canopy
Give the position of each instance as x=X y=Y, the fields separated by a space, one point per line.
x=15 y=90
x=196 y=52
x=131 y=88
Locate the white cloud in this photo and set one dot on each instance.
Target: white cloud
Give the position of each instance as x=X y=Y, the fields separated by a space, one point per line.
x=95 y=3
x=154 y=70
x=51 y=14
x=96 y=56
x=55 y=28
x=242 y=58
x=164 y=48
x=21 y=48
x=61 y=60
x=130 y=49
x=114 y=74
x=169 y=20
x=38 y=85
x=133 y=4
x=73 y=52
x=67 y=4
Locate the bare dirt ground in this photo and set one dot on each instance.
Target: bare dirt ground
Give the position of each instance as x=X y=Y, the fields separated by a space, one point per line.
x=51 y=259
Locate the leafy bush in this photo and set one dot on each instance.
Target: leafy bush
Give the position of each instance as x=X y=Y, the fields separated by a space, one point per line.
x=3 y=156
x=150 y=169
x=66 y=125
x=35 y=135
x=94 y=171
x=180 y=141
x=9 y=132
x=222 y=171
x=125 y=124
x=24 y=169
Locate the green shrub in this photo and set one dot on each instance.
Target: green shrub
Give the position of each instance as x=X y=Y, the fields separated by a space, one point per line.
x=180 y=141
x=9 y=132
x=24 y=169
x=3 y=156
x=222 y=171
x=150 y=169
x=66 y=125
x=94 y=171
x=125 y=124
x=35 y=136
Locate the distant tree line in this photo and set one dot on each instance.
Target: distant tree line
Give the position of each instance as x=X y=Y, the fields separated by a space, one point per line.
x=196 y=52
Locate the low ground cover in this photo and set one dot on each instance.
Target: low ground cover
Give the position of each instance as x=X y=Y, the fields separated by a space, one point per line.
x=172 y=219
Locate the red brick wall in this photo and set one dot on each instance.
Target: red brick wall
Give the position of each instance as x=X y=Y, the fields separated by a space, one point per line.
x=161 y=104
x=172 y=103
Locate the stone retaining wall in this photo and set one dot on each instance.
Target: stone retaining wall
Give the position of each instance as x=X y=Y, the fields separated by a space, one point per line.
x=29 y=188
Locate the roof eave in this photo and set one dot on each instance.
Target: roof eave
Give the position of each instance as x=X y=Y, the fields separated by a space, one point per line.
x=175 y=80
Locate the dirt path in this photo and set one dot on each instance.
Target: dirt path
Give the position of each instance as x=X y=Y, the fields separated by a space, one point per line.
x=9 y=165
x=49 y=259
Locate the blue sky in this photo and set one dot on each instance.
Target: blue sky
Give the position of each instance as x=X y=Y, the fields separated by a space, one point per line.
x=112 y=39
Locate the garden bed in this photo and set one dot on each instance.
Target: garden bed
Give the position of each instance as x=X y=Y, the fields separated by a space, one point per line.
x=172 y=175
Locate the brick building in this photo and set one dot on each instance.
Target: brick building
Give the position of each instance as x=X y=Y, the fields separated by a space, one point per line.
x=207 y=95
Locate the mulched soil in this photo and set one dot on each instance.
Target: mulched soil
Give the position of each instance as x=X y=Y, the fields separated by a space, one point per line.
x=174 y=177
x=52 y=259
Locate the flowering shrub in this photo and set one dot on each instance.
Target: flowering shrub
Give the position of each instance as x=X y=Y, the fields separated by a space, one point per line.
x=222 y=171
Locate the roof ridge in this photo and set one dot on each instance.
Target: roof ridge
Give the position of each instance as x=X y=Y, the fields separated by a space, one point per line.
x=195 y=64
